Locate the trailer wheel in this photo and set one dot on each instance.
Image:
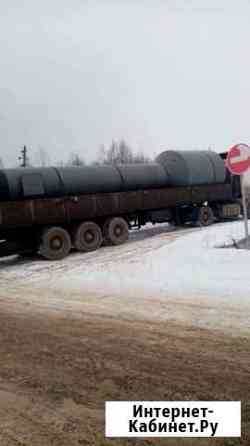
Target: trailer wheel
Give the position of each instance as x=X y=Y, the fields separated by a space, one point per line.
x=87 y=237
x=115 y=230
x=205 y=216
x=55 y=243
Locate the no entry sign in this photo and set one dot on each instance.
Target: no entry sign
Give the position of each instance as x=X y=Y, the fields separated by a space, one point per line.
x=238 y=159
x=238 y=162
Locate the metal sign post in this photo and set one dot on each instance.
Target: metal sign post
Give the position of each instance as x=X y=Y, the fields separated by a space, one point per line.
x=244 y=204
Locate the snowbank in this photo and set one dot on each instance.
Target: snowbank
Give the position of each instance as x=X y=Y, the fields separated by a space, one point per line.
x=192 y=266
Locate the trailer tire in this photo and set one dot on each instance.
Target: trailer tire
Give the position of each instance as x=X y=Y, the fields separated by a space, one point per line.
x=115 y=231
x=55 y=243
x=205 y=216
x=87 y=237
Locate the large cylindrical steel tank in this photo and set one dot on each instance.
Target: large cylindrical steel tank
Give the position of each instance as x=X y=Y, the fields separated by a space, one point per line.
x=176 y=168
x=90 y=179
x=24 y=183
x=142 y=176
x=190 y=167
x=21 y=183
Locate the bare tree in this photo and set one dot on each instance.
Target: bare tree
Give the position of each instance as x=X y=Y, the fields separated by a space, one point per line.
x=75 y=160
x=140 y=158
x=125 y=153
x=43 y=157
x=120 y=153
x=117 y=153
x=101 y=157
x=1 y=164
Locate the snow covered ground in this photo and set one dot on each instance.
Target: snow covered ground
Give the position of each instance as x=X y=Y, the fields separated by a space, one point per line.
x=191 y=265
x=179 y=263
x=182 y=275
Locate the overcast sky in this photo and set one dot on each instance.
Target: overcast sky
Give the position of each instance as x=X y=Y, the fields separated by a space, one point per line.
x=161 y=74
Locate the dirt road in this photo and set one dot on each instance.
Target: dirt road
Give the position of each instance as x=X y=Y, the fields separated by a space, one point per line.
x=57 y=372
x=64 y=353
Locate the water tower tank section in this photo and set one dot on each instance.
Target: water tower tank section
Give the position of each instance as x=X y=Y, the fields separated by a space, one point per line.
x=22 y=183
x=142 y=176
x=90 y=179
x=190 y=167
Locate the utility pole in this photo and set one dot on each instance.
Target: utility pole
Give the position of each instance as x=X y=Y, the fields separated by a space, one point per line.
x=23 y=157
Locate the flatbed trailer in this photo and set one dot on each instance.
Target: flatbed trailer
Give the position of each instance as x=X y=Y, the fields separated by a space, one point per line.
x=52 y=226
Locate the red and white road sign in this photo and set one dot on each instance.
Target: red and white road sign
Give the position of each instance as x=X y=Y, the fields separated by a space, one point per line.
x=238 y=159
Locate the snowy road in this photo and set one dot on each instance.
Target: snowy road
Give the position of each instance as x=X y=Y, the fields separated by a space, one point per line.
x=160 y=274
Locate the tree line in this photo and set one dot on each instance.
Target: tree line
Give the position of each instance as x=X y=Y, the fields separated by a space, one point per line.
x=118 y=152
